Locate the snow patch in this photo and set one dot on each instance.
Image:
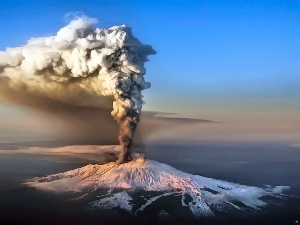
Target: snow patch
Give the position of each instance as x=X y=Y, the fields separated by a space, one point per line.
x=121 y=200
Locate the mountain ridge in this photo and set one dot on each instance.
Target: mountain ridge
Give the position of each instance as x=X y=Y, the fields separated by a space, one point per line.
x=207 y=194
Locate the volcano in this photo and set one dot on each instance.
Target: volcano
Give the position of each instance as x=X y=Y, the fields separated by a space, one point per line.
x=115 y=186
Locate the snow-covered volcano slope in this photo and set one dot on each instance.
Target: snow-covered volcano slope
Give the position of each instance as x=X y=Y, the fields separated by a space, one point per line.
x=149 y=175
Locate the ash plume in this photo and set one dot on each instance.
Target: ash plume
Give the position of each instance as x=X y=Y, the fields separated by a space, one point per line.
x=82 y=66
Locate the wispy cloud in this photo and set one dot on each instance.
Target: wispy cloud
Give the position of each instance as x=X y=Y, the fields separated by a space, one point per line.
x=87 y=152
x=295 y=145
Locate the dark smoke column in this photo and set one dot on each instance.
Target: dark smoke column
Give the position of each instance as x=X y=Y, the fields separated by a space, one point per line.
x=131 y=97
x=127 y=65
x=127 y=129
x=81 y=59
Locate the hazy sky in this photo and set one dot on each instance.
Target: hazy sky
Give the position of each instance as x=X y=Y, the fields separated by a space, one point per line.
x=235 y=62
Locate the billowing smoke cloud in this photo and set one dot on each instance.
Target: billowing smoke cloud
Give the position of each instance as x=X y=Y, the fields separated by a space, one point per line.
x=82 y=66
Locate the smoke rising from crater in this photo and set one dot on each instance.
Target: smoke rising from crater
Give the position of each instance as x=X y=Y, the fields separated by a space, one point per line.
x=82 y=66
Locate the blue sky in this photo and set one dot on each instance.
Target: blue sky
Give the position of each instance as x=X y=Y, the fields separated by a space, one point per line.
x=220 y=60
